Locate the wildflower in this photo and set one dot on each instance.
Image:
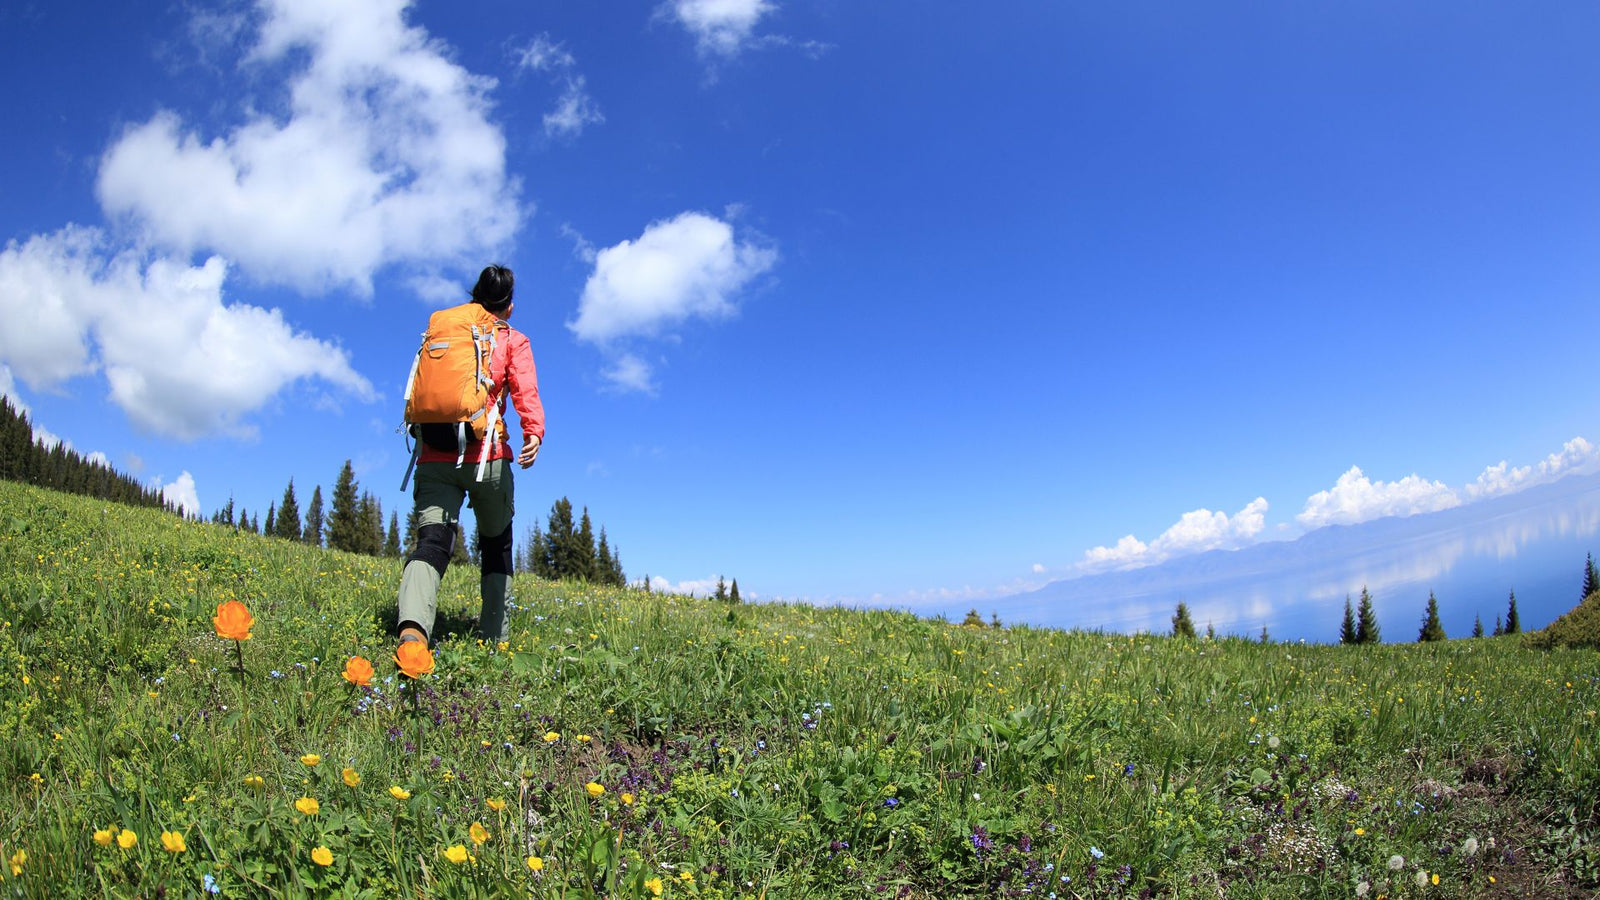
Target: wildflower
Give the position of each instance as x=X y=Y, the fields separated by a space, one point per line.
x=233 y=621
x=104 y=836
x=535 y=864
x=495 y=803
x=1422 y=878
x=456 y=853
x=1097 y=853
x=1362 y=889
x=891 y=802
x=17 y=859
x=311 y=759
x=127 y=840
x=322 y=856
x=358 y=671
x=172 y=842
x=414 y=658
x=399 y=793
x=208 y=883
x=478 y=833
x=1272 y=741
x=1469 y=847
x=550 y=737
x=627 y=799
x=686 y=876
x=1397 y=862
x=583 y=739
x=1360 y=832
x=254 y=781
x=653 y=885
x=351 y=776
x=308 y=805
x=594 y=789
x=1436 y=879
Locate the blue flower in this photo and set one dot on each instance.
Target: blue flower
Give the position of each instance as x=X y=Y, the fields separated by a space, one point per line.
x=1127 y=769
x=892 y=802
x=210 y=884
x=1096 y=853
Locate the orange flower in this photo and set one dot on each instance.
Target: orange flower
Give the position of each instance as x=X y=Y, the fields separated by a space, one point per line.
x=358 y=671
x=414 y=658
x=233 y=621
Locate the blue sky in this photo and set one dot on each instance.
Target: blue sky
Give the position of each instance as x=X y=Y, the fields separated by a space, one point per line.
x=863 y=302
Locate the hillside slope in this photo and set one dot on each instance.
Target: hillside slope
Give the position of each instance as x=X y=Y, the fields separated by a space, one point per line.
x=632 y=744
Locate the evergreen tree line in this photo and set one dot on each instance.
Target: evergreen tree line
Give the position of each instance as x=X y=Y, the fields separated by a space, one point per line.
x=24 y=459
x=564 y=550
x=1360 y=623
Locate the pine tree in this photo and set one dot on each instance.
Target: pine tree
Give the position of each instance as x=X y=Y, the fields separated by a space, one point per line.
x=391 y=544
x=994 y=619
x=413 y=522
x=1591 y=577
x=289 y=515
x=1432 y=629
x=1477 y=626
x=312 y=533
x=602 y=560
x=733 y=593
x=1499 y=628
x=973 y=619
x=617 y=576
x=227 y=513
x=1211 y=632
x=458 y=549
x=344 y=524
x=271 y=528
x=1182 y=625
x=1513 y=621
x=562 y=560
x=722 y=589
x=1367 y=631
x=1266 y=637
x=1347 y=628
x=584 y=550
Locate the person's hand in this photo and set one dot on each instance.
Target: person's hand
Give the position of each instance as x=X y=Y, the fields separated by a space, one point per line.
x=530 y=450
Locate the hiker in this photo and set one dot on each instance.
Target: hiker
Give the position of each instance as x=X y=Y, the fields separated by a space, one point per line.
x=452 y=464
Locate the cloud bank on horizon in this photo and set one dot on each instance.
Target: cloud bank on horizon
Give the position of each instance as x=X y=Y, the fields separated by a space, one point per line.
x=1353 y=499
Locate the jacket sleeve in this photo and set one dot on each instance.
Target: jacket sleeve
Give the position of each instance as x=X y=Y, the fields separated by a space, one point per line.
x=522 y=383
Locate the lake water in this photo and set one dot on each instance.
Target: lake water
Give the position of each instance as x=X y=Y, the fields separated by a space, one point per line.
x=1471 y=558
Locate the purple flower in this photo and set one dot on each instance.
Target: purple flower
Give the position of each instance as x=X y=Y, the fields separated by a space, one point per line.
x=1127 y=769
x=892 y=802
x=980 y=839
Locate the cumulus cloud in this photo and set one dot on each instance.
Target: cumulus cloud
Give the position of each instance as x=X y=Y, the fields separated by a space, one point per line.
x=8 y=389
x=721 y=28
x=384 y=155
x=1196 y=531
x=630 y=373
x=182 y=494
x=1576 y=455
x=575 y=110
x=1356 y=498
x=177 y=359
x=687 y=267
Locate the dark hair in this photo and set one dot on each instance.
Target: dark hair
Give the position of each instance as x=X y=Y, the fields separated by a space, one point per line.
x=494 y=288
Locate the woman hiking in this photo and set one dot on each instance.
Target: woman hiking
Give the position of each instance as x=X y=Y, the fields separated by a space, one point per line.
x=453 y=464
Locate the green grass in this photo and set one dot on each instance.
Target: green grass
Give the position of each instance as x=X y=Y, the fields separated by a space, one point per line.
x=769 y=750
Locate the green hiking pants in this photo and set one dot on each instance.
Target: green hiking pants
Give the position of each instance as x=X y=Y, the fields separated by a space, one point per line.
x=439 y=491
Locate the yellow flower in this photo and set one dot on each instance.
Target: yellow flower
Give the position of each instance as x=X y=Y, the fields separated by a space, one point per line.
x=351 y=776
x=399 y=793
x=1360 y=831
x=254 y=781
x=686 y=876
x=535 y=864
x=322 y=856
x=627 y=799
x=653 y=885
x=127 y=840
x=594 y=789
x=172 y=841
x=495 y=803
x=478 y=833
x=311 y=759
x=456 y=854
x=17 y=859
x=308 y=805
x=584 y=739
x=104 y=836
x=550 y=737
x=1436 y=878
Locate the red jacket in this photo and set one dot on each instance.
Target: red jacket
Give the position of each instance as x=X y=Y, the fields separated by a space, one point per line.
x=511 y=367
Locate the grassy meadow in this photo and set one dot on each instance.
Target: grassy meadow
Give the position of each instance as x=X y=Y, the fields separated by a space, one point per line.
x=626 y=744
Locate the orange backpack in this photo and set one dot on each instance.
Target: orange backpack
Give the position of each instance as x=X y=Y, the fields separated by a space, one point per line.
x=450 y=382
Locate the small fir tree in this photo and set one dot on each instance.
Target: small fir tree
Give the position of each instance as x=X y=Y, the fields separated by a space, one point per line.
x=271 y=528
x=733 y=592
x=312 y=533
x=288 y=515
x=1367 y=631
x=1266 y=637
x=458 y=548
x=994 y=619
x=973 y=619
x=1513 y=621
x=391 y=543
x=1591 y=577
x=1347 y=628
x=1499 y=628
x=1432 y=629
x=1477 y=626
x=1211 y=632
x=1182 y=625
x=722 y=589
x=344 y=522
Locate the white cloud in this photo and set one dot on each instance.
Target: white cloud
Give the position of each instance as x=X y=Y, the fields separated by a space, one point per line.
x=1038 y=568
x=48 y=439
x=721 y=28
x=98 y=459
x=182 y=493
x=687 y=267
x=630 y=373
x=384 y=155
x=1356 y=498
x=178 y=360
x=1196 y=531
x=575 y=110
x=8 y=390
x=1575 y=455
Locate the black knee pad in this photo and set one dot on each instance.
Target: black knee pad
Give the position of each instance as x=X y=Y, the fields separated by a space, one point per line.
x=434 y=544
x=494 y=553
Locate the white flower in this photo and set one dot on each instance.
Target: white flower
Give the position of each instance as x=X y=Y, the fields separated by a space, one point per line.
x=1273 y=742
x=1422 y=878
x=1397 y=862
x=1469 y=847
x=1362 y=888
